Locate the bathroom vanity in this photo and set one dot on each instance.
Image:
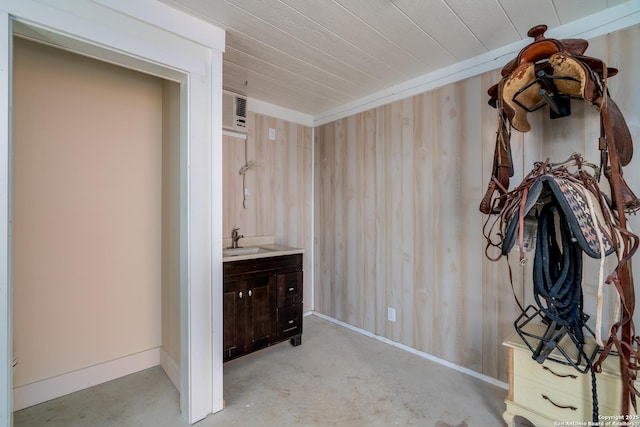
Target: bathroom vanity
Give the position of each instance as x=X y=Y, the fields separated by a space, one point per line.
x=262 y=298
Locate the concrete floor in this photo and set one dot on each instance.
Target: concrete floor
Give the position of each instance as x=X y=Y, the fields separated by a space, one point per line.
x=337 y=377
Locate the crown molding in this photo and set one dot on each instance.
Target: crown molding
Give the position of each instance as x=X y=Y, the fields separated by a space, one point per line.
x=610 y=20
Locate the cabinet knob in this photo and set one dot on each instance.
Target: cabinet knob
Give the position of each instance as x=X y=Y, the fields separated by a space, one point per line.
x=292 y=289
x=240 y=294
x=250 y=293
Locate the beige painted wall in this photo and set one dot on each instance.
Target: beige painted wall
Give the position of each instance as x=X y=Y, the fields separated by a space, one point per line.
x=280 y=186
x=171 y=220
x=87 y=163
x=397 y=224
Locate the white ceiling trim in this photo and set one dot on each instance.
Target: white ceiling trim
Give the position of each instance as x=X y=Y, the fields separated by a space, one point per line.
x=272 y=110
x=607 y=21
x=170 y=19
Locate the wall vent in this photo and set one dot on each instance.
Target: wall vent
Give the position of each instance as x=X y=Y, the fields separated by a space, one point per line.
x=234 y=112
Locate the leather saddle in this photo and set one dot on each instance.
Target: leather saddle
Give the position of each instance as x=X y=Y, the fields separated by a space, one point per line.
x=552 y=72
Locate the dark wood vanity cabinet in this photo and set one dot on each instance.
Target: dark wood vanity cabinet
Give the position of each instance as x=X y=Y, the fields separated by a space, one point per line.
x=262 y=303
x=249 y=318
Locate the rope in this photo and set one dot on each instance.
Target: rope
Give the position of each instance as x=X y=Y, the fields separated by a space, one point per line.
x=243 y=171
x=558 y=282
x=600 y=272
x=557 y=275
x=594 y=398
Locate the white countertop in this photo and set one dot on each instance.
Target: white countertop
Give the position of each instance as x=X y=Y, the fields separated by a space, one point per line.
x=266 y=245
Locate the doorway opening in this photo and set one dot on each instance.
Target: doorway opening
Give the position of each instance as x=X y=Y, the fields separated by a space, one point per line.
x=96 y=222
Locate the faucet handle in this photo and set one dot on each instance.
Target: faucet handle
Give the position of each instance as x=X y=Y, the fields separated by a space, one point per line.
x=235 y=236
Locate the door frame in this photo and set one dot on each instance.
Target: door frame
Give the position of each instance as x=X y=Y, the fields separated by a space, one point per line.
x=153 y=38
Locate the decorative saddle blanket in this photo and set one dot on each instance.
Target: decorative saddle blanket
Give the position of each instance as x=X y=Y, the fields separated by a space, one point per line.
x=579 y=205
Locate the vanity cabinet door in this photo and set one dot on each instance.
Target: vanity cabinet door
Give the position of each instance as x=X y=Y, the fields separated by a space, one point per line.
x=234 y=319
x=249 y=315
x=260 y=313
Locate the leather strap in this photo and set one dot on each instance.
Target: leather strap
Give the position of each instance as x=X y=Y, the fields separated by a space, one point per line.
x=624 y=279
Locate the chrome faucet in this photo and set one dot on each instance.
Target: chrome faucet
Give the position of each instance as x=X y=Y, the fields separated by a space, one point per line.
x=235 y=236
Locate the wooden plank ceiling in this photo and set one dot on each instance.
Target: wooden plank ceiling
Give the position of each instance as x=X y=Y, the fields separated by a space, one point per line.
x=314 y=56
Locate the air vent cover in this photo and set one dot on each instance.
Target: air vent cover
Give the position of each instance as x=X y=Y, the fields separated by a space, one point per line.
x=234 y=112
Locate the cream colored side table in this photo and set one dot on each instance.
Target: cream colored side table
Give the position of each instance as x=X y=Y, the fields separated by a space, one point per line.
x=552 y=394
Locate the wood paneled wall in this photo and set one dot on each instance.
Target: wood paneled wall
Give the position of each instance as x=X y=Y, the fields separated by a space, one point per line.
x=397 y=224
x=280 y=186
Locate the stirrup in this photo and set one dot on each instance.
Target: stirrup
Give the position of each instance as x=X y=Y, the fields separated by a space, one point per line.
x=551 y=342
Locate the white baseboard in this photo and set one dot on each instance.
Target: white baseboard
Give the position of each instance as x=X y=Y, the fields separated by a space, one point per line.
x=170 y=368
x=412 y=350
x=41 y=391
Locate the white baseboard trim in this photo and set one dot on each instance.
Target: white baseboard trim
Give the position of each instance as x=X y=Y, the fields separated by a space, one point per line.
x=170 y=368
x=411 y=350
x=41 y=391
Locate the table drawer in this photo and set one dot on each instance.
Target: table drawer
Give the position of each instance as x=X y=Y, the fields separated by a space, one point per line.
x=567 y=380
x=553 y=404
x=532 y=416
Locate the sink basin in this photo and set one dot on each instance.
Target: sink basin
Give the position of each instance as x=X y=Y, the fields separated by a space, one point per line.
x=241 y=251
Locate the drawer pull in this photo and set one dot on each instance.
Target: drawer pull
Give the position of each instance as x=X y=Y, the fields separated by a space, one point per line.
x=291 y=321
x=292 y=289
x=573 y=408
x=560 y=375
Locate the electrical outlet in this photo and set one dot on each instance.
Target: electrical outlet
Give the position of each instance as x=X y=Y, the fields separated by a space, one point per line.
x=391 y=314
x=272 y=134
